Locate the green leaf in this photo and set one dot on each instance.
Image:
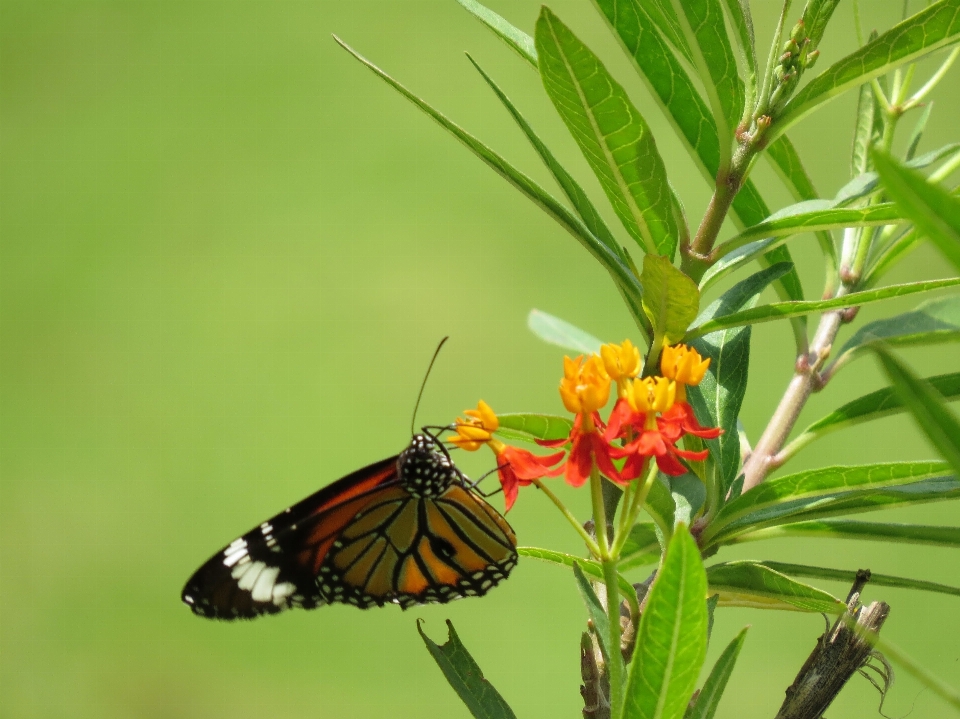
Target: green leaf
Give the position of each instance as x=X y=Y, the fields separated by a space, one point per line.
x=663 y=15
x=661 y=507
x=620 y=273
x=670 y=298
x=703 y=24
x=669 y=84
x=932 y=322
x=813 y=216
x=746 y=583
x=641 y=548
x=516 y=39
x=781 y=310
x=466 y=678
x=929 y=29
x=816 y=15
x=733 y=261
x=831 y=491
x=587 y=566
x=571 y=188
x=738 y=11
x=867 y=183
x=891 y=255
x=556 y=331
x=927 y=406
x=931 y=208
x=672 y=638
x=863 y=135
x=597 y=612
x=612 y=135
x=531 y=427
x=882 y=403
x=709 y=698
x=917 y=134
x=717 y=399
x=847 y=577
x=868 y=531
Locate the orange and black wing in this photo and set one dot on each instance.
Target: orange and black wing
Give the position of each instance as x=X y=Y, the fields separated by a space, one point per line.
x=275 y=565
x=413 y=550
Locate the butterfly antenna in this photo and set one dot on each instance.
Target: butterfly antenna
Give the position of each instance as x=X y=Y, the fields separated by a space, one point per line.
x=413 y=419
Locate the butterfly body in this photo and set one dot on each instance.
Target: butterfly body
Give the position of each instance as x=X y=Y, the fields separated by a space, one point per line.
x=406 y=530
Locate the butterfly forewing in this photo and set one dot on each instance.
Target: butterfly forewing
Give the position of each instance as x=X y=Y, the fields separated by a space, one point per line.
x=273 y=566
x=405 y=530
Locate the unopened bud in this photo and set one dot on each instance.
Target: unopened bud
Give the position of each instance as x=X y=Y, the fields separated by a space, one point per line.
x=785 y=58
x=791 y=46
x=763 y=122
x=799 y=32
x=812 y=58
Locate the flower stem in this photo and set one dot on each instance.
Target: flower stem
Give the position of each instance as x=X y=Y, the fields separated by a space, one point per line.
x=588 y=540
x=615 y=660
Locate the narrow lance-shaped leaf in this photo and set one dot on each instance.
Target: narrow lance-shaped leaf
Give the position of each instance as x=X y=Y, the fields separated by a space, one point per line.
x=931 y=208
x=847 y=576
x=863 y=135
x=739 y=13
x=466 y=678
x=672 y=638
x=718 y=397
x=876 y=405
x=561 y=333
x=516 y=40
x=929 y=29
x=596 y=610
x=888 y=532
x=781 y=310
x=703 y=24
x=939 y=424
x=709 y=698
x=622 y=275
x=932 y=322
x=612 y=135
x=821 y=216
x=816 y=15
x=746 y=583
x=778 y=500
x=670 y=298
x=917 y=133
x=678 y=97
x=588 y=567
x=571 y=188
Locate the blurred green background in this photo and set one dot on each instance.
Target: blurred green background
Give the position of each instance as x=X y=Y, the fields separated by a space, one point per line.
x=228 y=251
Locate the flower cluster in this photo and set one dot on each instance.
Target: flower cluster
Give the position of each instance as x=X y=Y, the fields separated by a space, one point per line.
x=650 y=416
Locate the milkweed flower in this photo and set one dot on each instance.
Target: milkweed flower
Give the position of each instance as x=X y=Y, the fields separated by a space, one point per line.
x=685 y=366
x=515 y=467
x=648 y=398
x=585 y=389
x=622 y=363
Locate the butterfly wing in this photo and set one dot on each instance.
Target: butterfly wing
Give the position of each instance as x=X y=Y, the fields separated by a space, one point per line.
x=274 y=566
x=415 y=550
x=364 y=540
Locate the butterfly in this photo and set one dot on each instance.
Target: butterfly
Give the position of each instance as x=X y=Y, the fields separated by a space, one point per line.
x=407 y=530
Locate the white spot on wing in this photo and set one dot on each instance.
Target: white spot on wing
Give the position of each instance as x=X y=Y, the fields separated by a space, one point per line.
x=263 y=587
x=250 y=575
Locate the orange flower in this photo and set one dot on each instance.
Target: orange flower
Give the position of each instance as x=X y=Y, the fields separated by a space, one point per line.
x=585 y=387
x=515 y=467
x=685 y=366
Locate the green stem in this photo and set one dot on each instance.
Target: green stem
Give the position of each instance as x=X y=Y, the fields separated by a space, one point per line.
x=632 y=511
x=611 y=580
x=588 y=540
x=615 y=668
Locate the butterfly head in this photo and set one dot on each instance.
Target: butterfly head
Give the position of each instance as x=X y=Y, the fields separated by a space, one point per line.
x=425 y=469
